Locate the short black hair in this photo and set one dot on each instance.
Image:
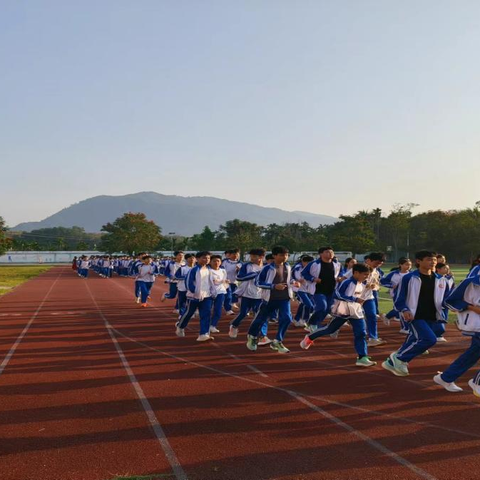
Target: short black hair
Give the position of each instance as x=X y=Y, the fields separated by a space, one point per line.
x=377 y=257
x=269 y=257
x=279 y=250
x=322 y=249
x=218 y=257
x=202 y=253
x=403 y=260
x=176 y=252
x=438 y=266
x=257 y=251
x=306 y=258
x=420 y=255
x=189 y=255
x=360 y=267
x=232 y=250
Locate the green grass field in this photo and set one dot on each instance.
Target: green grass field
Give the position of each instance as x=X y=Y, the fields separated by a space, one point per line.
x=385 y=302
x=11 y=276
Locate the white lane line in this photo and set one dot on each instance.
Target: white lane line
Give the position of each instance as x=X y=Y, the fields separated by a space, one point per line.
x=373 y=443
x=9 y=355
x=370 y=441
x=152 y=418
x=251 y=367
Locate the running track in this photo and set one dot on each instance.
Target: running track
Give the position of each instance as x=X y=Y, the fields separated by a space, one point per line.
x=93 y=387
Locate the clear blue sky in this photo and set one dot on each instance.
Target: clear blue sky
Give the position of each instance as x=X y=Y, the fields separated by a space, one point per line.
x=322 y=106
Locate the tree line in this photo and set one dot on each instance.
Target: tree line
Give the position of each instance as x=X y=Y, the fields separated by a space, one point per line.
x=455 y=233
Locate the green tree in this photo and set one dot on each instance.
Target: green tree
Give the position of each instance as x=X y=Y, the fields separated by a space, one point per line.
x=5 y=242
x=241 y=234
x=131 y=233
x=206 y=240
x=352 y=233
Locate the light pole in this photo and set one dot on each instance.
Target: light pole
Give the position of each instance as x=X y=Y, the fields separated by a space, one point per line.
x=171 y=234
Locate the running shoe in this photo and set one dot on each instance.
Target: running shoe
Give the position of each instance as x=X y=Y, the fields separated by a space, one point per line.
x=450 y=387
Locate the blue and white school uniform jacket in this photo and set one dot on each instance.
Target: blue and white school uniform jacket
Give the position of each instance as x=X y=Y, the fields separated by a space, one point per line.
x=406 y=299
x=194 y=284
x=297 y=275
x=348 y=291
x=232 y=268
x=146 y=273
x=170 y=269
x=312 y=272
x=474 y=272
x=265 y=280
x=392 y=280
x=467 y=293
x=247 y=276
x=180 y=276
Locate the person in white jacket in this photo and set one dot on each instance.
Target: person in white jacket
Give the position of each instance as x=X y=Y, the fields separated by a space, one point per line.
x=200 y=294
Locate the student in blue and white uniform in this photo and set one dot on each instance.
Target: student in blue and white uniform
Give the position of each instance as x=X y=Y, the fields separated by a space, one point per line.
x=232 y=265
x=200 y=294
x=374 y=260
x=443 y=270
x=275 y=282
x=133 y=267
x=170 y=269
x=84 y=266
x=306 y=306
x=220 y=282
x=346 y=271
x=145 y=278
x=250 y=294
x=347 y=307
x=465 y=300
x=321 y=280
x=392 y=281
x=420 y=300
x=181 y=275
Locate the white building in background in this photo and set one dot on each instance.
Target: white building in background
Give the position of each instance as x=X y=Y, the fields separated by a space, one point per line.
x=13 y=257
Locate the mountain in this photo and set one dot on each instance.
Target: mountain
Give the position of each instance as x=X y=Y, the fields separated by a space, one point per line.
x=182 y=215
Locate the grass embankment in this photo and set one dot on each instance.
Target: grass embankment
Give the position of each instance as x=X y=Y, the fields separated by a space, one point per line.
x=11 y=276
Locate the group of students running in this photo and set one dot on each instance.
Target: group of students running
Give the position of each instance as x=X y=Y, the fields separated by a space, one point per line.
x=330 y=295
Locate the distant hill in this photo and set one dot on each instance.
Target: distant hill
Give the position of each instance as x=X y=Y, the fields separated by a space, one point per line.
x=182 y=215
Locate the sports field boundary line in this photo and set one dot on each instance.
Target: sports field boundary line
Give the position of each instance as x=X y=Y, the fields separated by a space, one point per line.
x=147 y=407
x=19 y=339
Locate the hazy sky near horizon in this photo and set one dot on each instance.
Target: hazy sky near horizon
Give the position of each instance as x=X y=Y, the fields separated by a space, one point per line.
x=322 y=106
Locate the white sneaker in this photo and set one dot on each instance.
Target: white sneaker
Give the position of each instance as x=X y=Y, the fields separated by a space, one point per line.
x=335 y=334
x=441 y=339
x=264 y=341
x=230 y=312
x=180 y=332
x=214 y=330
x=297 y=323
x=404 y=332
x=451 y=387
x=137 y=300
x=176 y=311
x=233 y=332
x=474 y=387
x=375 y=342
x=204 y=337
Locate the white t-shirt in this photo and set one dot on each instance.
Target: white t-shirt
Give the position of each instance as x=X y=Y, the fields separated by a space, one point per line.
x=219 y=277
x=205 y=283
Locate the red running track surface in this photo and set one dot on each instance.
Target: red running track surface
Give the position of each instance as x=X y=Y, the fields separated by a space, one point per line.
x=93 y=387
